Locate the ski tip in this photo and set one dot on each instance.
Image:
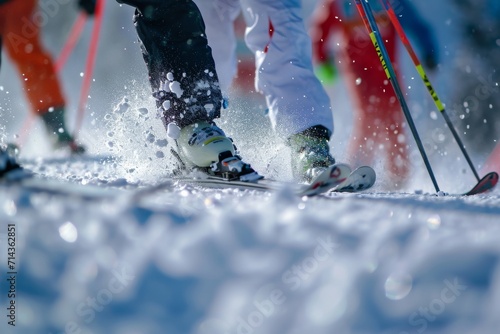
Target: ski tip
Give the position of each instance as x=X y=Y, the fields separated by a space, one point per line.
x=488 y=182
x=492 y=177
x=328 y=179
x=362 y=178
x=367 y=172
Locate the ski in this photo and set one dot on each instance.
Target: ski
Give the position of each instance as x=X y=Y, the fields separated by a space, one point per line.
x=360 y=179
x=22 y=180
x=338 y=177
x=330 y=178
x=487 y=183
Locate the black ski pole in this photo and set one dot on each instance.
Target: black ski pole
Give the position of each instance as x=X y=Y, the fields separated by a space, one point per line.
x=366 y=14
x=423 y=75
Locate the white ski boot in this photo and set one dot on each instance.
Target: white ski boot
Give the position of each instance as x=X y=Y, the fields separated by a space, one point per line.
x=206 y=147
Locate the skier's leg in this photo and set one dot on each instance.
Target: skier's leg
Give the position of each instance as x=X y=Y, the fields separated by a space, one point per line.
x=22 y=44
x=219 y=16
x=362 y=144
x=365 y=97
x=377 y=126
x=179 y=60
x=493 y=161
x=41 y=84
x=396 y=151
x=295 y=97
x=299 y=107
x=184 y=80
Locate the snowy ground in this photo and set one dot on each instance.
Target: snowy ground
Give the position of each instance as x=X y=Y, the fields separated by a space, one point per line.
x=188 y=260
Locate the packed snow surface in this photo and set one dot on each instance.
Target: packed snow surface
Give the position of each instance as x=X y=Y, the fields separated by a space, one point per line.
x=185 y=259
x=97 y=258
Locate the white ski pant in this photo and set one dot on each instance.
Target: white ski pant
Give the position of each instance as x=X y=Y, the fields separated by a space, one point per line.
x=284 y=74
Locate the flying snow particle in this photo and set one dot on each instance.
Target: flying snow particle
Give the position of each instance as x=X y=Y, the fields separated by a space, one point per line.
x=175 y=87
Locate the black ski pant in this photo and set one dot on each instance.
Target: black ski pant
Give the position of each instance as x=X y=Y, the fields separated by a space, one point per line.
x=176 y=51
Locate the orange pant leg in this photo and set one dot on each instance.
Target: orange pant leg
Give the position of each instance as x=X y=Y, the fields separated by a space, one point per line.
x=21 y=39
